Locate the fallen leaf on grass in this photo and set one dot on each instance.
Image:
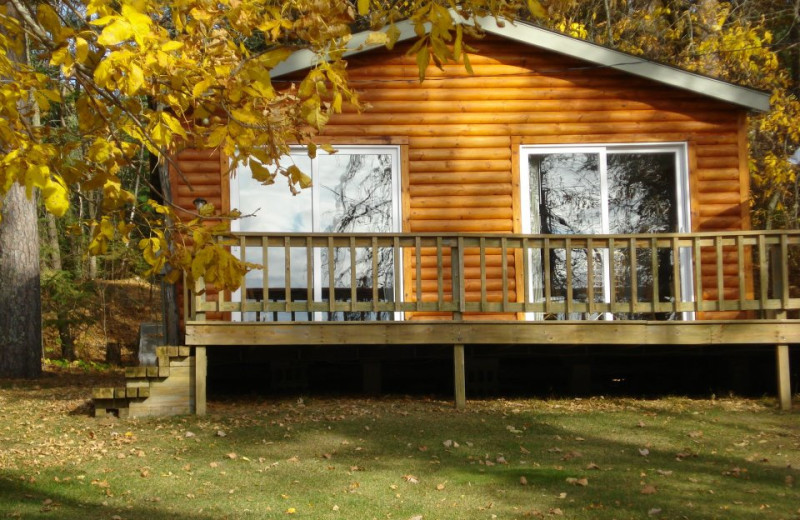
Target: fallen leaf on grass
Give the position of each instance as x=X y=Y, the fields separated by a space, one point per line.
x=649 y=489
x=593 y=466
x=654 y=512
x=231 y=455
x=664 y=472
x=416 y=517
x=523 y=481
x=440 y=487
x=644 y=452
x=578 y=481
x=411 y=479
x=735 y=472
x=572 y=455
x=695 y=434
x=221 y=433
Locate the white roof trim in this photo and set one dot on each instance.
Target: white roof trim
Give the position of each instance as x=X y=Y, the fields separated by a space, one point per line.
x=575 y=48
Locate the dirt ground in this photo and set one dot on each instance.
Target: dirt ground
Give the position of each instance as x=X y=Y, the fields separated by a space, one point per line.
x=113 y=319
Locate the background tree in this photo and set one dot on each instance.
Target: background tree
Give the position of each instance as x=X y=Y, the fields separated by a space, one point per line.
x=751 y=42
x=135 y=77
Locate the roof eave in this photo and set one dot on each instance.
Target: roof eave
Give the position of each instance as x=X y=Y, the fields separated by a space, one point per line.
x=580 y=49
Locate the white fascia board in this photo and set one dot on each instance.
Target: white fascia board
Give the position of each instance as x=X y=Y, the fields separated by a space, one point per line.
x=357 y=44
x=569 y=46
x=603 y=56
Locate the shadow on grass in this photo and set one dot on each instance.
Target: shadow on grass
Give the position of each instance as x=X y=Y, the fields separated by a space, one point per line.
x=23 y=499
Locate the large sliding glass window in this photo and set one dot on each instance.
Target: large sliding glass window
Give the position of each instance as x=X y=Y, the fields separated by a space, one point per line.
x=355 y=190
x=605 y=190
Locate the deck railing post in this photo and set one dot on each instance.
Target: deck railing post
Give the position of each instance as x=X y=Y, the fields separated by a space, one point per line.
x=198 y=293
x=778 y=272
x=459 y=295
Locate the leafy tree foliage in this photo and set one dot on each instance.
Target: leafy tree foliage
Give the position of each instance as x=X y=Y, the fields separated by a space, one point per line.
x=156 y=75
x=751 y=42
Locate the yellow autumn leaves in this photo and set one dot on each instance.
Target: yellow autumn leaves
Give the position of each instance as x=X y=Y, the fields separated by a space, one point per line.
x=92 y=93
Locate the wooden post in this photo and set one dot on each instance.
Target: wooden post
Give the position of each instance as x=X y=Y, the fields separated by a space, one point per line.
x=784 y=387
x=200 y=373
x=779 y=258
x=460 y=377
x=458 y=284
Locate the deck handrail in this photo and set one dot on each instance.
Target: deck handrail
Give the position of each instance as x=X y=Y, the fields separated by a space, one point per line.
x=638 y=276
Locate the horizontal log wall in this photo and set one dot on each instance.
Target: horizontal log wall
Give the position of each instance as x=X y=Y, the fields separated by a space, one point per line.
x=464 y=132
x=203 y=174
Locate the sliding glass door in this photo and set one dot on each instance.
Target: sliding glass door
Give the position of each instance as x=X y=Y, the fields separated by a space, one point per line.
x=605 y=190
x=353 y=190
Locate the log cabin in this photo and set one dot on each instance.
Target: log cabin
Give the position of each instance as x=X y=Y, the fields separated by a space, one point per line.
x=563 y=193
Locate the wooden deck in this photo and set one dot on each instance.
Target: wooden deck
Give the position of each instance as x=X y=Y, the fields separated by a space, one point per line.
x=705 y=289
x=708 y=332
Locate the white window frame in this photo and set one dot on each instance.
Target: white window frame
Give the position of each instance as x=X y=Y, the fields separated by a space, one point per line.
x=682 y=196
x=316 y=225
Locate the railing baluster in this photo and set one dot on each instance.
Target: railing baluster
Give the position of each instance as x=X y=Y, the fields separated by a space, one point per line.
x=287 y=258
x=440 y=272
x=243 y=289
x=634 y=274
x=784 y=260
x=483 y=272
x=462 y=291
x=375 y=277
x=353 y=275
x=612 y=277
x=309 y=270
x=418 y=267
x=548 y=289
x=568 y=265
x=720 y=272
x=504 y=264
x=763 y=272
x=740 y=263
x=265 y=276
x=656 y=297
x=698 y=273
x=590 y=275
x=677 y=297
x=331 y=277
x=526 y=274
x=398 y=290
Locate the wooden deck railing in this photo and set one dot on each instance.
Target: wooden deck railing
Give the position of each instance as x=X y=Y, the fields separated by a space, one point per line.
x=654 y=276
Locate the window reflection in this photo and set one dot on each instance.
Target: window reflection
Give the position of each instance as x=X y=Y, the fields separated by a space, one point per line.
x=355 y=196
x=604 y=192
x=352 y=192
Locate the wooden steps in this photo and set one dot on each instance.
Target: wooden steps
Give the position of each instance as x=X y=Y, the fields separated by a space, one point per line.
x=165 y=389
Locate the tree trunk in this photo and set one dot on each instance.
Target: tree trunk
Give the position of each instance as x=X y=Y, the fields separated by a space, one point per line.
x=169 y=292
x=20 y=297
x=20 y=303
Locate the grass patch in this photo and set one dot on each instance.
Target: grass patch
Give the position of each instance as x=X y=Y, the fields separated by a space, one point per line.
x=397 y=458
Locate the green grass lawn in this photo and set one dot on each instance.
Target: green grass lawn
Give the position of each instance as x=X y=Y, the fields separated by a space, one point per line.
x=397 y=458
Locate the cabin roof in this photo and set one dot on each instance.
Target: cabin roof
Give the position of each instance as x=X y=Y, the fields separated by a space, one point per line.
x=598 y=55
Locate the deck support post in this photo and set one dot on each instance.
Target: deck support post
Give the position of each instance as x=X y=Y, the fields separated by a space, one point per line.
x=779 y=274
x=784 y=383
x=460 y=377
x=200 y=373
